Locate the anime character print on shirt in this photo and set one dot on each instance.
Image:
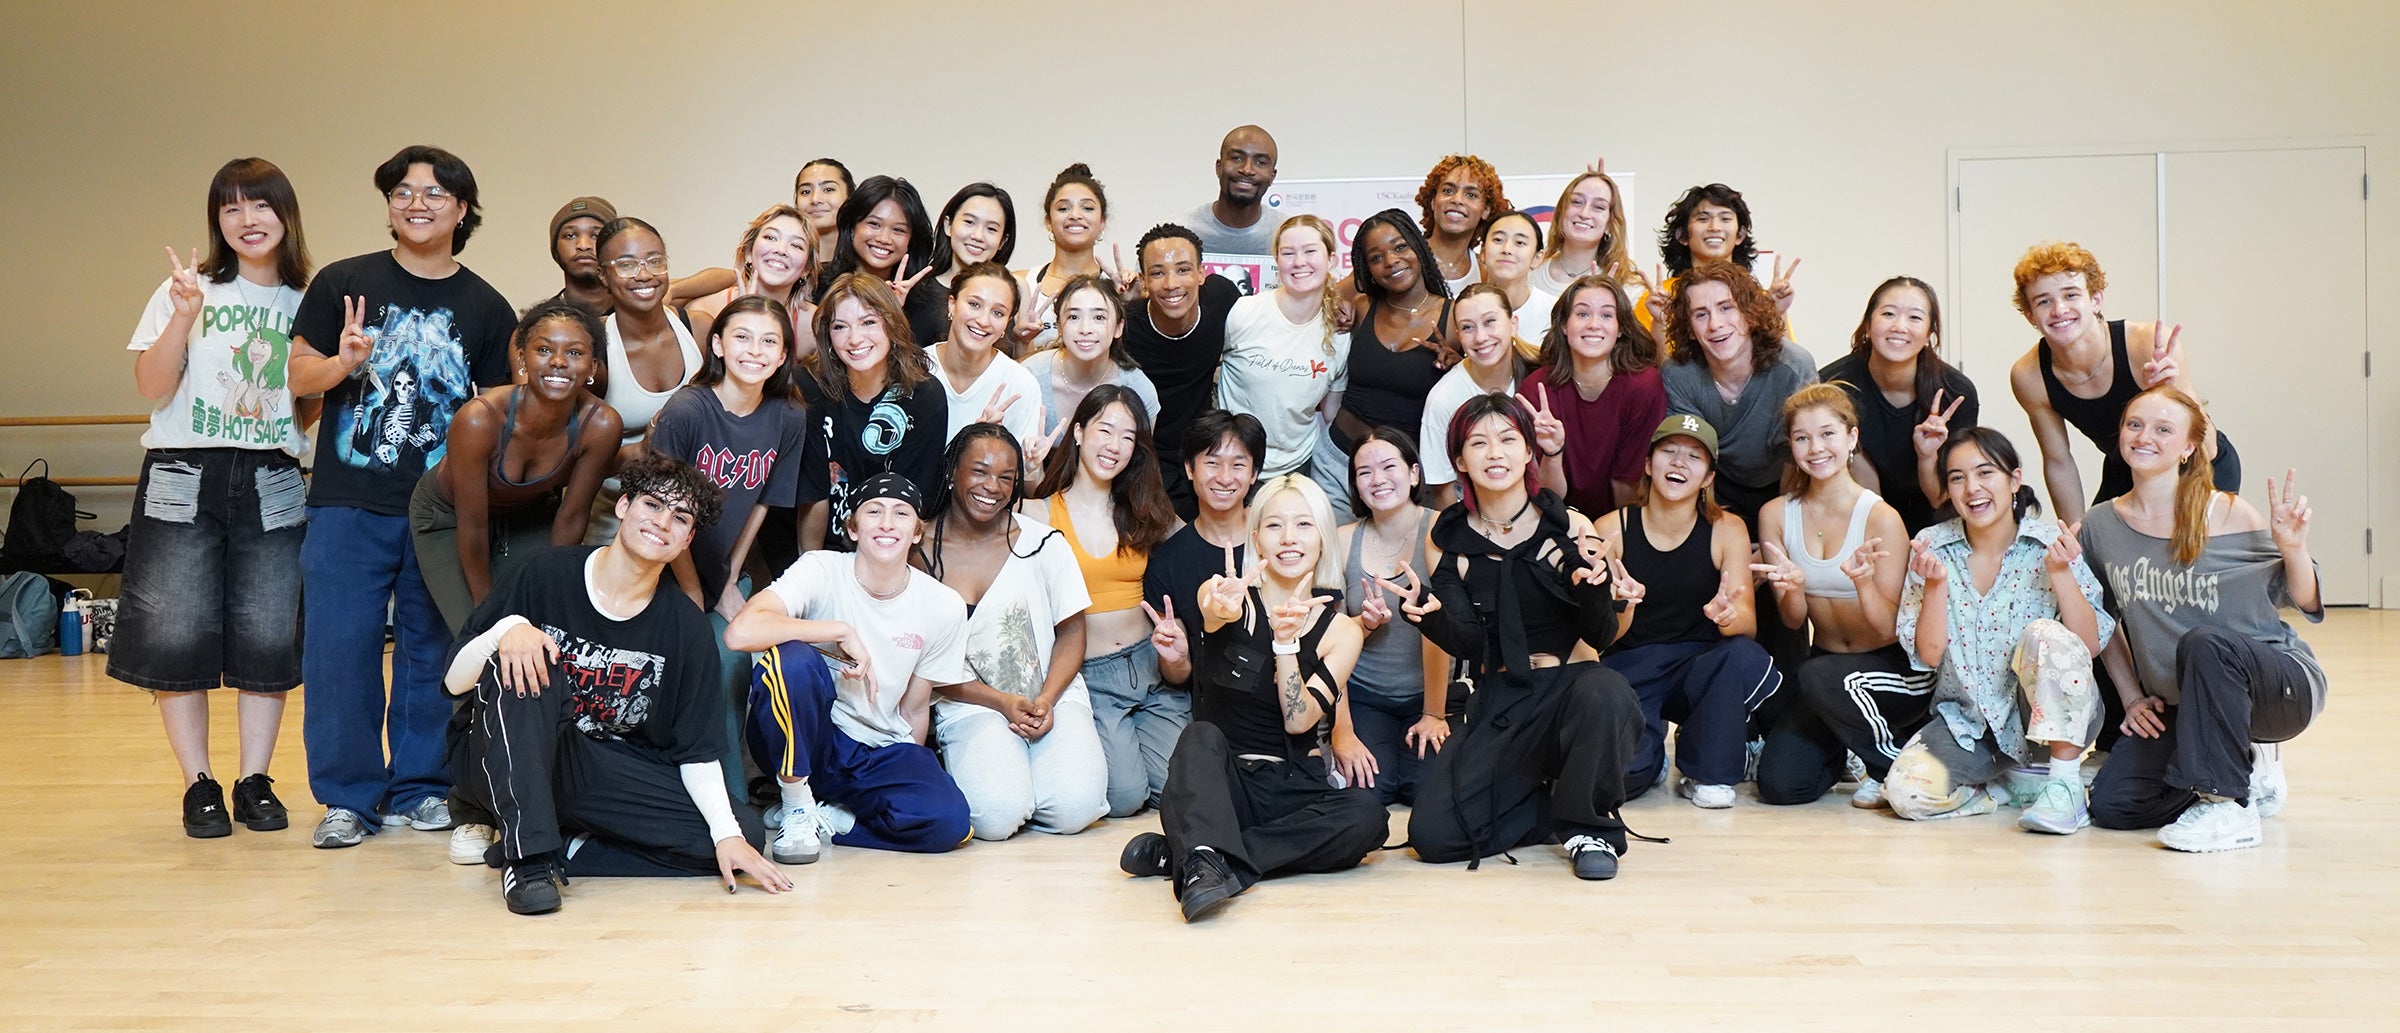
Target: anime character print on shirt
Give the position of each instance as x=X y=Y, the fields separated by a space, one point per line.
x=614 y=689
x=255 y=406
x=416 y=376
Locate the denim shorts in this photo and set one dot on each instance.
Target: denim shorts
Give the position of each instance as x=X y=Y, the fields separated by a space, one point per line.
x=211 y=594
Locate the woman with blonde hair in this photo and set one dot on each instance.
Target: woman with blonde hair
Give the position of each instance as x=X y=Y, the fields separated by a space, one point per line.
x=1287 y=364
x=1587 y=236
x=775 y=259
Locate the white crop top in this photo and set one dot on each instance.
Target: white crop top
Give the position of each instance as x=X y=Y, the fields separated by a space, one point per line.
x=1824 y=577
x=634 y=403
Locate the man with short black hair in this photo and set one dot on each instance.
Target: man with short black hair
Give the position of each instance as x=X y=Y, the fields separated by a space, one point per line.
x=1177 y=336
x=1225 y=451
x=1237 y=222
x=594 y=725
x=396 y=341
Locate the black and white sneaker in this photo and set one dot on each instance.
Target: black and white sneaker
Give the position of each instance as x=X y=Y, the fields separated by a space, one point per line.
x=255 y=805
x=204 y=814
x=1593 y=857
x=1206 y=885
x=1145 y=855
x=531 y=886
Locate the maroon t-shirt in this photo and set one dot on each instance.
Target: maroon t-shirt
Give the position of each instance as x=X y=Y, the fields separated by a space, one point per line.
x=1607 y=437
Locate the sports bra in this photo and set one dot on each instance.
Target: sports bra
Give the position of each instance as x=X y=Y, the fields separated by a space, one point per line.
x=633 y=402
x=1824 y=578
x=1114 y=580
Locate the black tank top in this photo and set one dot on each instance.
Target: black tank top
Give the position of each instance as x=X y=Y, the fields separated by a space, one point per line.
x=508 y=430
x=1676 y=585
x=1237 y=693
x=1388 y=388
x=2100 y=418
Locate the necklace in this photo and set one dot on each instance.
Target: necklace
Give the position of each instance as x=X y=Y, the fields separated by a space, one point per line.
x=1187 y=331
x=1508 y=525
x=881 y=597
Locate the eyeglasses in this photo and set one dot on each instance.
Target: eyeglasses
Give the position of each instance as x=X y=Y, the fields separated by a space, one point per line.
x=629 y=266
x=434 y=197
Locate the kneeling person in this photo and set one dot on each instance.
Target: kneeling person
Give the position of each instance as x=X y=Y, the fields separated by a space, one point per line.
x=895 y=634
x=591 y=727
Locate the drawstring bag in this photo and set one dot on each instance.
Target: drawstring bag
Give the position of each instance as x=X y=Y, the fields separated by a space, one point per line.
x=28 y=616
x=40 y=522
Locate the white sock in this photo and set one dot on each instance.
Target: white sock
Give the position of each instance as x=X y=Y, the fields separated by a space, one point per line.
x=797 y=799
x=575 y=845
x=2067 y=769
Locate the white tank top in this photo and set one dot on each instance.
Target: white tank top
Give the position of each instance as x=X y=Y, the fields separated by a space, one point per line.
x=1824 y=577
x=634 y=403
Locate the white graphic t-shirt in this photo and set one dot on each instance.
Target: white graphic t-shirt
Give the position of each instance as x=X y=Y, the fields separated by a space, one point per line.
x=921 y=631
x=234 y=392
x=1278 y=371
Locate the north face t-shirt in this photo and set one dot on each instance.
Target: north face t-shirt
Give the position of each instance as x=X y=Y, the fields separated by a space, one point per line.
x=234 y=392
x=435 y=342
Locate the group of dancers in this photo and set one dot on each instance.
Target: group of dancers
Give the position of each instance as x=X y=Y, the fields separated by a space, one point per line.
x=911 y=548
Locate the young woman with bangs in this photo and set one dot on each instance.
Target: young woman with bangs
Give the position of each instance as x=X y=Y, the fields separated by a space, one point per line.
x=1598 y=380
x=1397 y=711
x=882 y=231
x=1908 y=400
x=1493 y=357
x=1091 y=352
x=1510 y=241
x=776 y=259
x=1100 y=488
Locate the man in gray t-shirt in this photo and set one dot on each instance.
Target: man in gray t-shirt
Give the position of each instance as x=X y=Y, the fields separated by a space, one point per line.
x=1237 y=222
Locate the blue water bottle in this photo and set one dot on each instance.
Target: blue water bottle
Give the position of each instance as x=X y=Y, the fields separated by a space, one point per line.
x=70 y=629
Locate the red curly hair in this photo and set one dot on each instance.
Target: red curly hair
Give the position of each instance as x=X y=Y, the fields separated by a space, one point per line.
x=1495 y=196
x=2056 y=257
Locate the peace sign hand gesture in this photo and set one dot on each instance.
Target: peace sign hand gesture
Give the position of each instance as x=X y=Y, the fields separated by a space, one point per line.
x=1779 y=570
x=1037 y=448
x=1861 y=564
x=1167 y=635
x=183 y=285
x=1293 y=617
x=1222 y=595
x=901 y=286
x=2287 y=513
x=1549 y=435
x=998 y=407
x=1117 y=272
x=1627 y=590
x=2166 y=355
x=1654 y=296
x=1781 y=289
x=1929 y=435
x=1409 y=593
x=355 y=345
x=1373 y=612
x=1024 y=330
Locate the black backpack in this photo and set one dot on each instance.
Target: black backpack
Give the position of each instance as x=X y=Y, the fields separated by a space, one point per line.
x=40 y=521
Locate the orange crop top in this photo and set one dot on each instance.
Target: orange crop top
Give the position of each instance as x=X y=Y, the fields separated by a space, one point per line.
x=1114 y=580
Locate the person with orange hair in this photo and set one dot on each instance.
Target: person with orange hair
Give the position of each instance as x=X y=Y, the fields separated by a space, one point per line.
x=1460 y=192
x=2210 y=675
x=2084 y=370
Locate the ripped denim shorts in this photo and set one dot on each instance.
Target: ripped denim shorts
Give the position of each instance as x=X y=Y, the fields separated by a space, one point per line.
x=211 y=594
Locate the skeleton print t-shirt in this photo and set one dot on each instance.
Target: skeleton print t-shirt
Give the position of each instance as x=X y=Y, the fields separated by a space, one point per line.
x=435 y=342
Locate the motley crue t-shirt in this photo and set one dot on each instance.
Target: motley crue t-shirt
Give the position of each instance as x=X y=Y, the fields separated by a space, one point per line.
x=435 y=342
x=234 y=392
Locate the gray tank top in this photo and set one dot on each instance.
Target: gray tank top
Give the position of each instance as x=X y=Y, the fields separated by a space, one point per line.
x=1391 y=664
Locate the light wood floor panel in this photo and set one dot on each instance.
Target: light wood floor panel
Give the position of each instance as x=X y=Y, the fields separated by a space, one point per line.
x=1819 y=917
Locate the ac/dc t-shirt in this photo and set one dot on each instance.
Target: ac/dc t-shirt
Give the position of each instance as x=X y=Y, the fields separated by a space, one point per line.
x=758 y=459
x=435 y=342
x=855 y=440
x=649 y=680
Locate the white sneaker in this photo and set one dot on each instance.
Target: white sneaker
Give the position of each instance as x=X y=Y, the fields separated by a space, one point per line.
x=468 y=843
x=801 y=839
x=1853 y=769
x=2267 y=787
x=2210 y=826
x=1711 y=797
x=1868 y=795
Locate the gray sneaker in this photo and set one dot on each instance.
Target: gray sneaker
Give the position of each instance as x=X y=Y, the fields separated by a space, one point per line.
x=340 y=827
x=2062 y=808
x=431 y=814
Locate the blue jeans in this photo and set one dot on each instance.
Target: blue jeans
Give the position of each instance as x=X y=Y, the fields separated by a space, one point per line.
x=352 y=565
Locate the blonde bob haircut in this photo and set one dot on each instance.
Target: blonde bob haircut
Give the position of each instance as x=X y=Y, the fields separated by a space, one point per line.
x=1329 y=562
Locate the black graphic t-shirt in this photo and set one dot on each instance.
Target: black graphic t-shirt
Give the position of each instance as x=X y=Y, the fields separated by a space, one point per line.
x=855 y=440
x=650 y=680
x=759 y=459
x=436 y=341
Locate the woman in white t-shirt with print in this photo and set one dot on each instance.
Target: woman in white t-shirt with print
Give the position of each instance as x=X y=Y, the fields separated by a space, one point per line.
x=1018 y=737
x=211 y=593
x=1286 y=364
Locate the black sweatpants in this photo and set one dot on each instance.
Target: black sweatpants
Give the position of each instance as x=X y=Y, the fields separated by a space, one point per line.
x=1264 y=817
x=2236 y=691
x=1786 y=644
x=1863 y=703
x=1539 y=760
x=523 y=760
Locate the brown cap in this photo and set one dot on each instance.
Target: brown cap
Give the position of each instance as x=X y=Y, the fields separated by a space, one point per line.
x=583 y=208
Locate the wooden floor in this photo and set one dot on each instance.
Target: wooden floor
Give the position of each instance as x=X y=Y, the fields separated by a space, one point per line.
x=1753 y=918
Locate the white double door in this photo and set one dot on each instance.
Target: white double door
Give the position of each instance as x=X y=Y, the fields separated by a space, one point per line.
x=2260 y=254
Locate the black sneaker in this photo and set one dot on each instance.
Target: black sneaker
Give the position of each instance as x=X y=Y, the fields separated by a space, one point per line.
x=255 y=805
x=1592 y=856
x=204 y=814
x=531 y=886
x=1206 y=885
x=1145 y=855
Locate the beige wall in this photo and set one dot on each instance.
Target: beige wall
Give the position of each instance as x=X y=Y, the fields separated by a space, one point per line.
x=1834 y=118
